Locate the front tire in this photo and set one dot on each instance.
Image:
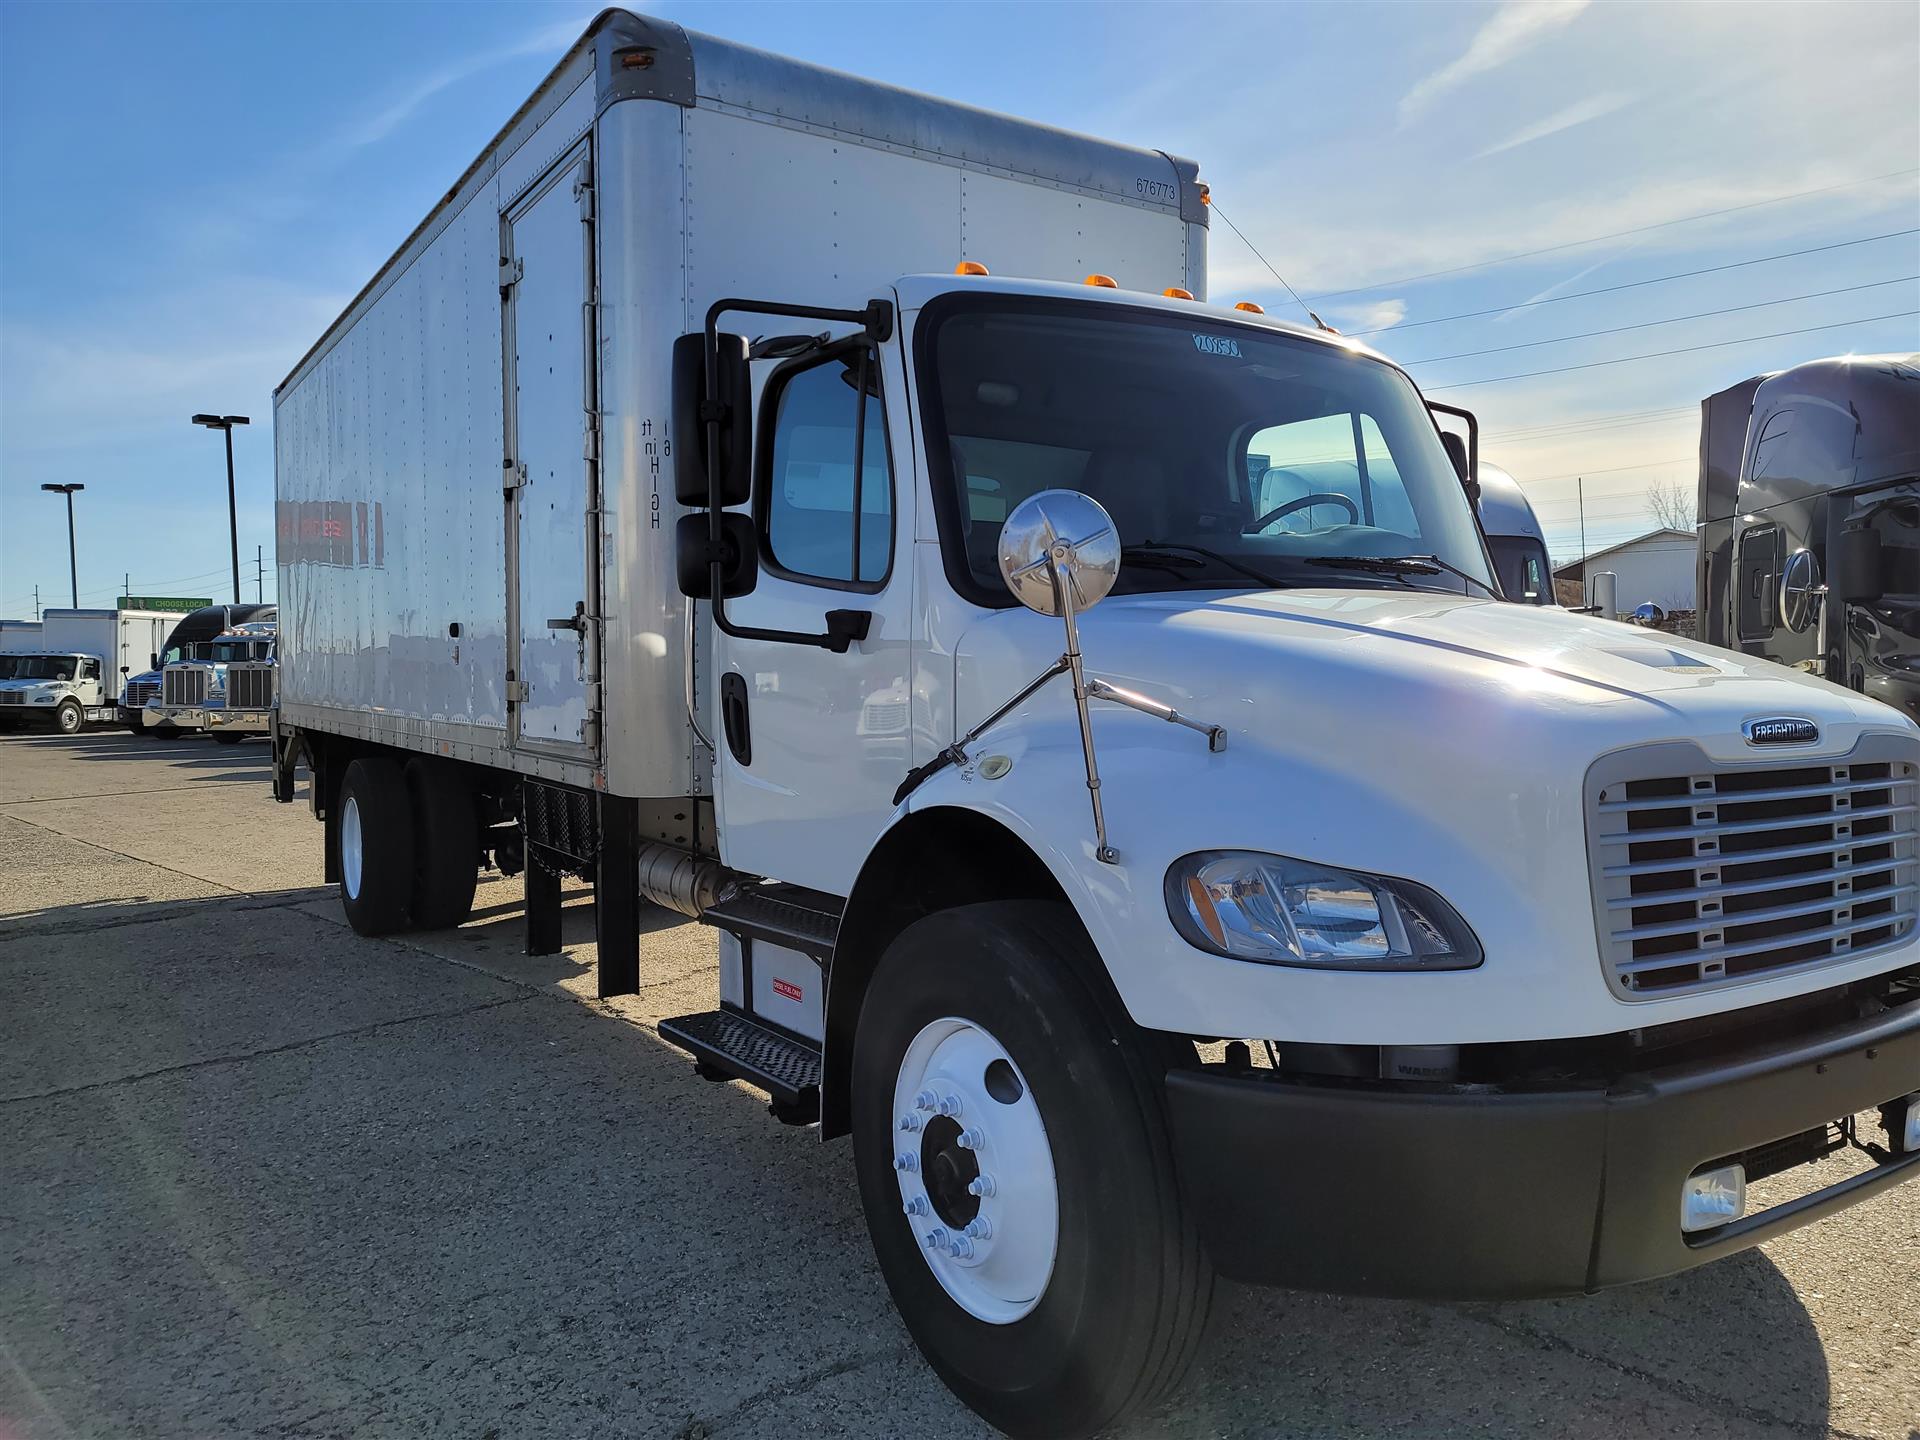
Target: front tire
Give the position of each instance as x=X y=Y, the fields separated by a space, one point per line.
x=68 y=718
x=376 y=846
x=994 y=1081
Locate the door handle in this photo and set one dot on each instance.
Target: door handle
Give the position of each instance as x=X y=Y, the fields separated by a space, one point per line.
x=733 y=716
x=576 y=622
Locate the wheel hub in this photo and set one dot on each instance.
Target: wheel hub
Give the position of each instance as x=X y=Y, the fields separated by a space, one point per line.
x=975 y=1170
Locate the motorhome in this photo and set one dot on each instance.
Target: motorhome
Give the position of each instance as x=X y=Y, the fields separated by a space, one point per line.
x=1809 y=534
x=841 y=516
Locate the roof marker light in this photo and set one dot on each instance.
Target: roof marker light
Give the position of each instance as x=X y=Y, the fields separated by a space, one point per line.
x=970 y=267
x=1105 y=282
x=1250 y=308
x=1174 y=292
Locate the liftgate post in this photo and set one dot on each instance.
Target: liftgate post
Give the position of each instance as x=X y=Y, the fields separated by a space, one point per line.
x=543 y=904
x=616 y=899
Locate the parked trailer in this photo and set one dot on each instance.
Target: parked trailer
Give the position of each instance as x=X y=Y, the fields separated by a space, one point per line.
x=1809 y=548
x=1132 y=937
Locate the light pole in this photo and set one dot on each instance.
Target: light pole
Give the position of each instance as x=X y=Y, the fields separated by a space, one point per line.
x=225 y=424
x=73 y=563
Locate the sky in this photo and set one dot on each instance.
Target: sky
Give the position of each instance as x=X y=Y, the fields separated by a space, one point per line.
x=190 y=193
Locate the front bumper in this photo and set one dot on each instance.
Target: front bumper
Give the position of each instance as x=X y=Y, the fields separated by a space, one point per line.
x=1510 y=1194
x=251 y=722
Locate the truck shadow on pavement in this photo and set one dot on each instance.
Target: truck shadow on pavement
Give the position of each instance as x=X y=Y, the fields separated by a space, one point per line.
x=262 y=1175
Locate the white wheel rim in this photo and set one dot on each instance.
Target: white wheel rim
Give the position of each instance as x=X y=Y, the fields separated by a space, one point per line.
x=994 y=1260
x=350 y=847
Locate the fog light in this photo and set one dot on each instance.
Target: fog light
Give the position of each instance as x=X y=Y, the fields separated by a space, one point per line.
x=1713 y=1198
x=1910 y=1130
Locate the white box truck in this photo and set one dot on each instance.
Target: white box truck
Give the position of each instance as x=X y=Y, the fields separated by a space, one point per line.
x=81 y=664
x=640 y=521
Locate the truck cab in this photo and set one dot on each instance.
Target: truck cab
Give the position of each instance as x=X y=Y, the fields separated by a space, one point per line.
x=190 y=631
x=61 y=691
x=1515 y=542
x=194 y=689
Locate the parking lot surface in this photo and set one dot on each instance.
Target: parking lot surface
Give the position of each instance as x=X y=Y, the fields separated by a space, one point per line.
x=260 y=1176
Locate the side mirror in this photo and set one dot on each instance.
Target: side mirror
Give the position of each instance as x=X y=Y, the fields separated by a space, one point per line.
x=731 y=404
x=1800 y=591
x=1859 y=566
x=693 y=555
x=1465 y=454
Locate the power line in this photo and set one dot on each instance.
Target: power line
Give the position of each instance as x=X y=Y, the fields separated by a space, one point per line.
x=1591 y=422
x=1615 y=235
x=1637 y=284
x=1214 y=205
x=1615 y=470
x=1683 y=350
x=1674 y=320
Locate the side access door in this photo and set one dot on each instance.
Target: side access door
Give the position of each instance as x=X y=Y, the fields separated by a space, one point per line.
x=552 y=448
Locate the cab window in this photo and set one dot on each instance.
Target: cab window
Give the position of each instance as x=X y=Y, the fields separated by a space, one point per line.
x=819 y=520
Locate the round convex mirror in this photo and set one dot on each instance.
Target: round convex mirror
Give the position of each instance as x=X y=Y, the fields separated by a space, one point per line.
x=1061 y=527
x=1800 y=591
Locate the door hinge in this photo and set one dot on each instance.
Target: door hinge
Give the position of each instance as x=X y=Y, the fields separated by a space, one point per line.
x=518 y=692
x=583 y=197
x=590 y=446
x=512 y=271
x=514 y=477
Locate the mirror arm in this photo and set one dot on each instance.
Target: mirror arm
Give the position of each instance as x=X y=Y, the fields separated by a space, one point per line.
x=1473 y=445
x=876 y=321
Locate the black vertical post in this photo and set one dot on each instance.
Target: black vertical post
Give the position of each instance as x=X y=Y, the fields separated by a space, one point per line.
x=73 y=557
x=233 y=517
x=616 y=898
x=543 y=905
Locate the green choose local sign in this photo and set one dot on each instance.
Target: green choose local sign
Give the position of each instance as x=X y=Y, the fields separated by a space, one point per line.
x=171 y=604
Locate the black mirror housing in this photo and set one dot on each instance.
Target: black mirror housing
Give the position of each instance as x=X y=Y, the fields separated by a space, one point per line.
x=739 y=556
x=1456 y=449
x=691 y=410
x=1859 y=566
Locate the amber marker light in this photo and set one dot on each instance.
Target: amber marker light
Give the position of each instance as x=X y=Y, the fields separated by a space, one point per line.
x=1104 y=282
x=970 y=267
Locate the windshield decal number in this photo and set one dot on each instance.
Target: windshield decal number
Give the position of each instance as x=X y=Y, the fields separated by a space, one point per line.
x=1217 y=345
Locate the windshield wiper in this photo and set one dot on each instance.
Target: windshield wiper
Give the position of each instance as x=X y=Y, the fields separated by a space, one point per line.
x=1166 y=554
x=1400 y=565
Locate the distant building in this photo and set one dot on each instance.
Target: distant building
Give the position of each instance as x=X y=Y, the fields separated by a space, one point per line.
x=1657 y=566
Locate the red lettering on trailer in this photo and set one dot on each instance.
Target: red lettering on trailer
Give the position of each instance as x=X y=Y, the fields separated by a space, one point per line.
x=787 y=988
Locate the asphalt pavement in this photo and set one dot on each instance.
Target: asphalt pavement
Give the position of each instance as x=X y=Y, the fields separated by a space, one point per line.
x=262 y=1177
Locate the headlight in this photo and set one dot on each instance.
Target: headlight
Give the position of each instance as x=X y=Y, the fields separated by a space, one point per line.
x=1280 y=911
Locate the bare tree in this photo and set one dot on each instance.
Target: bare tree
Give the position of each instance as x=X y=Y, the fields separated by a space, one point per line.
x=1671 y=504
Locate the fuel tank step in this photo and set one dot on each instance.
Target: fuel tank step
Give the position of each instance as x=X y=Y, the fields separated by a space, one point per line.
x=789 y=915
x=736 y=1047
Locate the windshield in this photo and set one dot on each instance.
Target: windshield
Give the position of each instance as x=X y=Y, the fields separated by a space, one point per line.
x=9 y=666
x=225 y=652
x=1228 y=456
x=46 y=667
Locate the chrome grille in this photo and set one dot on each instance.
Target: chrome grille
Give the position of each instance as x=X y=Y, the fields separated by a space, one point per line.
x=249 y=687
x=13 y=697
x=139 y=692
x=1708 y=875
x=184 y=686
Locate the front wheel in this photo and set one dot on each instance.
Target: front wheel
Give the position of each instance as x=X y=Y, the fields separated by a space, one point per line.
x=1015 y=1169
x=69 y=717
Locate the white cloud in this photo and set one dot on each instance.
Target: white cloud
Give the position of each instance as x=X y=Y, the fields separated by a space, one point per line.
x=1514 y=27
x=1578 y=113
x=1380 y=315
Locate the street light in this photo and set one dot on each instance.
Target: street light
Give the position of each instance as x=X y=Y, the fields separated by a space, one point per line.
x=73 y=564
x=225 y=424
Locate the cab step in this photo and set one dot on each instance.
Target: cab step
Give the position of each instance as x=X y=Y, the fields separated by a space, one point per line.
x=727 y=1045
x=788 y=915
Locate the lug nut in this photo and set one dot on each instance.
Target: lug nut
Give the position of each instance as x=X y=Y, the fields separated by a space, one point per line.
x=949 y=1104
x=970 y=1139
x=960 y=1248
x=980 y=1228
x=926 y=1100
x=981 y=1186
x=908 y=1161
x=910 y=1123
x=916 y=1206
x=936 y=1239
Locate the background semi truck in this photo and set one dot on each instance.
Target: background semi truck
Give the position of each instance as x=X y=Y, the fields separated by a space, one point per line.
x=1809 y=550
x=194 y=628
x=1161 y=863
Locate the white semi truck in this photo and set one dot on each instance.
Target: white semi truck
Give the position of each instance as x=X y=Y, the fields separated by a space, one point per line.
x=639 y=521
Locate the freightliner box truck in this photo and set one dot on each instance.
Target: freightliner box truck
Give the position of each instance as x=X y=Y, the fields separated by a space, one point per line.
x=1157 y=871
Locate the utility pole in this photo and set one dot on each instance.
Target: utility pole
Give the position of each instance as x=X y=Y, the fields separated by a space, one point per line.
x=1580 y=490
x=36 y=604
x=126 y=583
x=259 y=574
